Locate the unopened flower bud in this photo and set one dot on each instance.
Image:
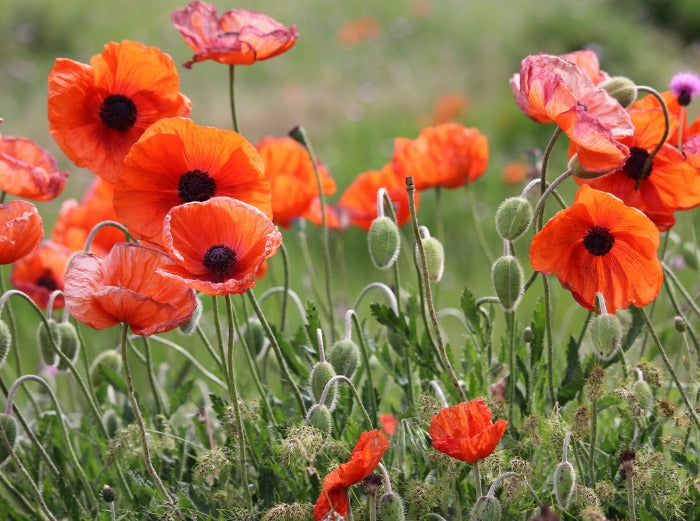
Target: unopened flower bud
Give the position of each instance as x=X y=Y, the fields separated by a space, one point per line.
x=111 y=421
x=345 y=357
x=190 y=326
x=384 y=242
x=564 y=483
x=507 y=276
x=5 y=341
x=627 y=462
x=108 y=494
x=434 y=258
x=372 y=484
x=48 y=354
x=622 y=89
x=528 y=335
x=513 y=218
x=9 y=425
x=645 y=397
x=254 y=335
x=486 y=508
x=109 y=359
x=390 y=508
x=319 y=416
x=606 y=333
x=70 y=344
x=579 y=171
x=679 y=324
x=321 y=374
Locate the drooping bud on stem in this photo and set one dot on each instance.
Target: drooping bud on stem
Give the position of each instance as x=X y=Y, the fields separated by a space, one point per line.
x=319 y=416
x=9 y=426
x=643 y=392
x=70 y=344
x=345 y=357
x=384 y=242
x=622 y=89
x=564 y=478
x=5 y=342
x=507 y=276
x=513 y=218
x=434 y=255
x=46 y=347
x=190 y=326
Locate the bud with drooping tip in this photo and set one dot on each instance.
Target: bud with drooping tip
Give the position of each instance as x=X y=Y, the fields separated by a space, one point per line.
x=513 y=218
x=9 y=425
x=319 y=416
x=390 y=508
x=190 y=326
x=622 y=89
x=486 y=508
x=606 y=333
x=507 y=276
x=564 y=483
x=321 y=374
x=48 y=354
x=434 y=256
x=109 y=359
x=384 y=242
x=70 y=344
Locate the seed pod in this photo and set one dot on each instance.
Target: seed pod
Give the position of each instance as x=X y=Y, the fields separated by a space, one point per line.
x=5 y=341
x=319 y=416
x=45 y=348
x=390 y=508
x=190 y=326
x=507 y=276
x=606 y=333
x=513 y=218
x=345 y=357
x=486 y=508
x=321 y=374
x=384 y=242
x=564 y=483
x=434 y=258
x=9 y=425
x=622 y=89
x=70 y=344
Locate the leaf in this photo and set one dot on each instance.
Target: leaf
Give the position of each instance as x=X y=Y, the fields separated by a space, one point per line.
x=312 y=324
x=573 y=377
x=291 y=355
x=386 y=317
x=181 y=394
x=114 y=379
x=537 y=326
x=218 y=405
x=471 y=312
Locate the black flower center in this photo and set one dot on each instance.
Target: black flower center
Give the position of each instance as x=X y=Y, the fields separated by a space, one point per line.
x=634 y=166
x=47 y=280
x=195 y=185
x=684 y=97
x=598 y=240
x=118 y=112
x=220 y=260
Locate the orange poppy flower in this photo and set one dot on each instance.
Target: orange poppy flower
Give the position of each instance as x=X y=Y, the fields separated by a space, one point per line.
x=515 y=172
x=21 y=230
x=359 y=201
x=599 y=245
x=29 y=171
x=239 y=37
x=97 y=111
x=126 y=286
x=292 y=179
x=218 y=245
x=352 y=32
x=671 y=184
x=41 y=273
x=448 y=107
x=176 y=162
x=588 y=61
x=465 y=431
x=76 y=220
x=364 y=459
x=389 y=423
x=551 y=89
x=448 y=155
x=336 y=218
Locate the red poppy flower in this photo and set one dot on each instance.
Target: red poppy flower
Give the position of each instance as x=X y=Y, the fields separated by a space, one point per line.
x=21 y=230
x=599 y=245
x=239 y=37
x=41 y=273
x=670 y=184
x=29 y=171
x=126 y=286
x=551 y=89
x=465 y=431
x=359 y=201
x=176 y=162
x=588 y=61
x=219 y=245
x=448 y=155
x=389 y=423
x=97 y=111
x=336 y=218
x=364 y=459
x=76 y=220
x=292 y=179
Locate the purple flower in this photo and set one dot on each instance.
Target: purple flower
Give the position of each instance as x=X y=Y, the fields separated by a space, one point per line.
x=685 y=85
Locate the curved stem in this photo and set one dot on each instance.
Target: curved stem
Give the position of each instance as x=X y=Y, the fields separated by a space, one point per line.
x=667 y=127
x=99 y=226
x=210 y=348
x=232 y=96
x=20 y=497
x=393 y=302
x=539 y=207
x=160 y=405
x=387 y=481
x=438 y=391
x=545 y=159
x=481 y=240
x=497 y=481
x=289 y=292
x=192 y=359
x=365 y=360
x=691 y=301
x=341 y=378
x=395 y=266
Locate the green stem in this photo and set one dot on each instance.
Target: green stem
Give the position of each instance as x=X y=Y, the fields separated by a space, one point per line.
x=679 y=312
x=629 y=482
x=160 y=406
x=477 y=480
x=667 y=128
x=539 y=208
x=594 y=434
x=341 y=378
x=481 y=239
x=691 y=301
x=103 y=224
x=285 y=295
x=395 y=267
x=232 y=96
x=510 y=332
x=548 y=338
x=19 y=497
x=545 y=159
x=365 y=360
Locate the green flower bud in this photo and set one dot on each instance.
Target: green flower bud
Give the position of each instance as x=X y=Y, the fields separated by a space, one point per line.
x=390 y=508
x=5 y=341
x=513 y=218
x=70 y=344
x=384 y=242
x=45 y=348
x=190 y=326
x=254 y=335
x=9 y=425
x=507 y=276
x=112 y=422
x=564 y=483
x=622 y=89
x=345 y=357
x=645 y=396
x=434 y=258
x=321 y=374
x=486 y=508
x=582 y=173
x=110 y=359
x=319 y=416
x=606 y=333
x=679 y=324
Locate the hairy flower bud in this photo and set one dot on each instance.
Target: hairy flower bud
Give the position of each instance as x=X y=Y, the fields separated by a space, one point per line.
x=321 y=374
x=434 y=258
x=390 y=508
x=384 y=242
x=109 y=359
x=564 y=483
x=580 y=172
x=5 y=341
x=9 y=425
x=507 y=276
x=190 y=326
x=319 y=416
x=645 y=396
x=679 y=324
x=513 y=217
x=70 y=344
x=622 y=89
x=345 y=357
x=486 y=508
x=606 y=333
x=48 y=354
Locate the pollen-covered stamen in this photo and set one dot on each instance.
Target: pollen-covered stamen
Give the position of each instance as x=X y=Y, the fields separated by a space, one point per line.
x=220 y=260
x=47 y=280
x=636 y=164
x=196 y=185
x=598 y=240
x=118 y=112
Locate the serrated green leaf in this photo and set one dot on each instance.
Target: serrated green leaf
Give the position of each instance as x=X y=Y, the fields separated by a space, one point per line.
x=313 y=322
x=573 y=376
x=181 y=395
x=537 y=326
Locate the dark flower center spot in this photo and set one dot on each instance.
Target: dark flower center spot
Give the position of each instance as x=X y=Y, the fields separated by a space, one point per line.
x=47 y=280
x=634 y=166
x=118 y=112
x=598 y=240
x=684 y=98
x=195 y=185
x=220 y=260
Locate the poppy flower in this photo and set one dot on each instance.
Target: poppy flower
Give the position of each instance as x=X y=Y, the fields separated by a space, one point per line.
x=551 y=89
x=691 y=149
x=448 y=107
x=97 y=111
x=29 y=171
x=292 y=179
x=364 y=459
x=336 y=219
x=176 y=162
x=515 y=172
x=41 y=273
x=21 y=230
x=77 y=219
x=599 y=245
x=670 y=184
x=389 y=423
x=465 y=431
x=239 y=37
x=218 y=245
x=126 y=286
x=448 y=155
x=359 y=201
x=587 y=60
x=352 y=32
